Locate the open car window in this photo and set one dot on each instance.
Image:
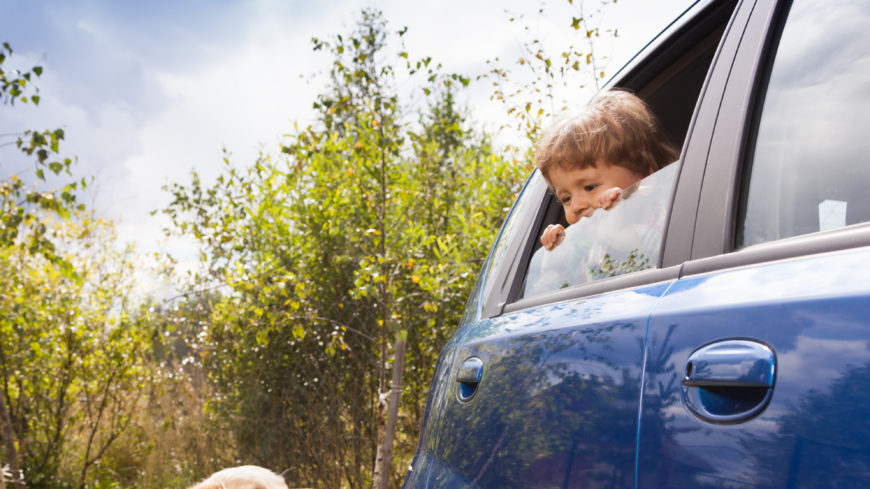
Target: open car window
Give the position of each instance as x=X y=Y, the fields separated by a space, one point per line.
x=669 y=76
x=625 y=239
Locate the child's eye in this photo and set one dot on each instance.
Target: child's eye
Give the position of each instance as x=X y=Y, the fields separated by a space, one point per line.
x=566 y=199
x=590 y=188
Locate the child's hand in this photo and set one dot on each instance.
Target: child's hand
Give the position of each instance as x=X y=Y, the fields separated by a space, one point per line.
x=553 y=236
x=609 y=198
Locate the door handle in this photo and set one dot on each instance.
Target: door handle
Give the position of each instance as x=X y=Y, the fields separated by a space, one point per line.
x=729 y=381
x=468 y=377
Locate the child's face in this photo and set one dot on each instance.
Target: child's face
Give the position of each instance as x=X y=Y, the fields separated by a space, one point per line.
x=578 y=190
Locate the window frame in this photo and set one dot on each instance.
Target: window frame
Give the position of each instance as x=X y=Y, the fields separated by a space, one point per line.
x=493 y=302
x=678 y=39
x=713 y=243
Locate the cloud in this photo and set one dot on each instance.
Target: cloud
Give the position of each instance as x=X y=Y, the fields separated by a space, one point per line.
x=148 y=92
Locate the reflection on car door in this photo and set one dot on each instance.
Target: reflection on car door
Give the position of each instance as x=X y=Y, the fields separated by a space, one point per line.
x=558 y=398
x=814 y=433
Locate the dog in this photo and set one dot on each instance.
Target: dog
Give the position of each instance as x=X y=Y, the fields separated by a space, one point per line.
x=244 y=477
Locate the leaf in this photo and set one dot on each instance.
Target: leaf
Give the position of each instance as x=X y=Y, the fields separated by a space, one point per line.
x=37 y=70
x=298 y=331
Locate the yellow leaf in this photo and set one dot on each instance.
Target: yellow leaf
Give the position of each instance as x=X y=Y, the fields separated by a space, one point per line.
x=415 y=278
x=298 y=332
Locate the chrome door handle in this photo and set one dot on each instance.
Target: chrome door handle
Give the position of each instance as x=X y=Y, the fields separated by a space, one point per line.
x=729 y=381
x=469 y=376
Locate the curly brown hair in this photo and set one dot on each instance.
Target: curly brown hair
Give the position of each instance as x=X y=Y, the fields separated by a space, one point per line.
x=617 y=128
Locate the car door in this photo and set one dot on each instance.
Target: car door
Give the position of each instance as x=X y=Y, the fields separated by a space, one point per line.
x=757 y=370
x=547 y=395
x=544 y=382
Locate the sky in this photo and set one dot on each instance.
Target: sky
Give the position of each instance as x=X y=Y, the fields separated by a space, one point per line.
x=149 y=91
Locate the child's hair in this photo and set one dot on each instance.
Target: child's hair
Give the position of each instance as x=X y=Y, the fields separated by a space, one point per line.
x=616 y=128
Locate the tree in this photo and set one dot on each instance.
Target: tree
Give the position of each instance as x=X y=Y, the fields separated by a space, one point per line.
x=70 y=355
x=21 y=207
x=366 y=233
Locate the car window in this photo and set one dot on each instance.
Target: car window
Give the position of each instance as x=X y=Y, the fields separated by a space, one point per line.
x=511 y=228
x=627 y=238
x=809 y=161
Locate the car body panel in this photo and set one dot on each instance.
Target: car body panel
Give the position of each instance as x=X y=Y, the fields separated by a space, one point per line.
x=558 y=402
x=815 y=431
x=418 y=472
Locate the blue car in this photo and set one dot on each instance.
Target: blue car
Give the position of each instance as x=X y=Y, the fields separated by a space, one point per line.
x=733 y=348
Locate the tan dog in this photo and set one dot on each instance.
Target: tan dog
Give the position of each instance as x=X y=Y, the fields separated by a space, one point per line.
x=244 y=477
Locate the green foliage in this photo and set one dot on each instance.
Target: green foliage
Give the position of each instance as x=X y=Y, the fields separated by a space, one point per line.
x=71 y=356
x=366 y=226
x=23 y=208
x=531 y=95
x=13 y=84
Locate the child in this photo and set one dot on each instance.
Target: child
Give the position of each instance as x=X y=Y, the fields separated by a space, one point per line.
x=590 y=158
x=244 y=477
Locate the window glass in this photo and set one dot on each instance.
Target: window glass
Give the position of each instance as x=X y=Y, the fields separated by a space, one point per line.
x=510 y=229
x=627 y=238
x=809 y=163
